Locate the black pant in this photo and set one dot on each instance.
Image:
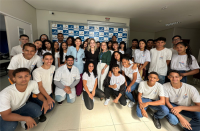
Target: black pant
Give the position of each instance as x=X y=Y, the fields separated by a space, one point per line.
x=88 y=101
x=108 y=91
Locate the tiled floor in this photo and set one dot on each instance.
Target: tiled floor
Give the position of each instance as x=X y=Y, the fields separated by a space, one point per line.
x=114 y=117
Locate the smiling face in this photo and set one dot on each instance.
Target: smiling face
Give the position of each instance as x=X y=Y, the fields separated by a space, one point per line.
x=181 y=48
x=142 y=45
x=48 y=60
x=92 y=44
x=90 y=67
x=38 y=44
x=43 y=37
x=117 y=56
x=60 y=37
x=47 y=45
x=115 y=70
x=56 y=46
x=22 y=78
x=70 y=61
x=153 y=78
x=174 y=77
x=115 y=46
x=64 y=46
x=78 y=42
x=125 y=63
x=24 y=40
x=29 y=52
x=69 y=41
x=176 y=40
x=103 y=46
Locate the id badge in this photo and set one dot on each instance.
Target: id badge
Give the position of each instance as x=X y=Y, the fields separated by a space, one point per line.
x=100 y=61
x=76 y=59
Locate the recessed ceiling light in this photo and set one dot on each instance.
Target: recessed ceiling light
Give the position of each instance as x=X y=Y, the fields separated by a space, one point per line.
x=164 y=8
x=173 y=23
x=160 y=21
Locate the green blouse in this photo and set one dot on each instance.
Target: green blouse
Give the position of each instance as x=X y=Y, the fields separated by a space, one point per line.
x=105 y=57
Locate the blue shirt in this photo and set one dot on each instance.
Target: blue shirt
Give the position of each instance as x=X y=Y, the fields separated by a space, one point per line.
x=78 y=57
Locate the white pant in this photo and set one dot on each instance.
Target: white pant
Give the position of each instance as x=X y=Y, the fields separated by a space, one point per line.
x=101 y=77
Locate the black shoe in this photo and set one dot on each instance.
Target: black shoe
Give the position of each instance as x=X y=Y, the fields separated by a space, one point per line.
x=60 y=103
x=156 y=122
x=42 y=118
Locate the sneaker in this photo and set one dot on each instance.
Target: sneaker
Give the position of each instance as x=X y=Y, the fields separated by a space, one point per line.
x=60 y=103
x=156 y=122
x=130 y=105
x=23 y=124
x=42 y=118
x=106 y=102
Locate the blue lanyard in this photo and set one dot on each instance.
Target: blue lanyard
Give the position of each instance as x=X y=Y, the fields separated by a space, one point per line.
x=101 y=54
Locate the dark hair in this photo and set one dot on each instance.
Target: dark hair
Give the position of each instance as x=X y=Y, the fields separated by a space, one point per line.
x=60 y=34
x=115 y=65
x=98 y=42
x=52 y=50
x=150 y=40
x=122 y=42
x=176 y=36
x=42 y=35
x=94 y=71
x=20 y=70
x=82 y=45
x=46 y=54
x=61 y=52
x=111 y=44
x=77 y=38
x=114 y=36
x=155 y=40
x=125 y=57
x=145 y=44
x=23 y=35
x=30 y=45
x=135 y=40
x=113 y=60
x=155 y=73
x=70 y=37
x=174 y=71
x=161 y=39
x=188 y=52
x=69 y=56
x=39 y=52
x=54 y=44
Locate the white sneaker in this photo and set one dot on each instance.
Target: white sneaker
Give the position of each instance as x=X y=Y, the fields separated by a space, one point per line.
x=106 y=102
x=127 y=101
x=23 y=124
x=130 y=105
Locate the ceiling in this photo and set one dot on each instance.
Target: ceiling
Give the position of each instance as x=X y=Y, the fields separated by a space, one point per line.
x=144 y=14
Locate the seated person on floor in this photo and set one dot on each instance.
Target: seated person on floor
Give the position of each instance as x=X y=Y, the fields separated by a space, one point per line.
x=151 y=94
x=14 y=106
x=115 y=85
x=44 y=76
x=65 y=79
x=182 y=99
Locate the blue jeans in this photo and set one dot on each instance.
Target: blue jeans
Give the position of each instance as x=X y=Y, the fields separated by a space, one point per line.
x=162 y=110
x=184 y=79
x=195 y=116
x=133 y=87
x=59 y=98
x=40 y=103
x=161 y=79
x=29 y=109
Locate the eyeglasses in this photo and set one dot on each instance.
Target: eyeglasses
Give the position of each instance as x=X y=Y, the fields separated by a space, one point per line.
x=176 y=39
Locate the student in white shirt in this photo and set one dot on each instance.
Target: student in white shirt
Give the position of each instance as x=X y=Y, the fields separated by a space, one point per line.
x=62 y=53
x=151 y=94
x=184 y=61
x=176 y=39
x=38 y=44
x=28 y=59
x=142 y=57
x=90 y=89
x=48 y=47
x=60 y=38
x=160 y=59
x=56 y=50
x=134 y=76
x=14 y=106
x=44 y=77
x=182 y=99
x=18 y=49
x=115 y=47
x=122 y=47
x=65 y=79
x=115 y=85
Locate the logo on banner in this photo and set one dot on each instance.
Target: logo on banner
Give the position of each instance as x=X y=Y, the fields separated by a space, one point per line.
x=101 y=39
x=86 y=27
x=54 y=25
x=65 y=36
x=125 y=30
x=65 y=27
x=106 y=29
x=120 y=30
x=81 y=28
x=70 y=27
x=119 y=40
x=115 y=34
x=101 y=29
x=105 y=38
x=76 y=27
x=71 y=32
x=115 y=29
x=82 y=38
x=91 y=34
x=101 y=33
x=111 y=29
x=86 y=33
x=59 y=27
x=96 y=28
x=124 y=39
x=119 y=34
x=96 y=34
x=110 y=34
x=65 y=32
x=76 y=33
x=106 y=34
x=60 y=31
x=124 y=35
x=81 y=33
x=96 y=38
x=54 y=37
x=54 y=32
x=91 y=28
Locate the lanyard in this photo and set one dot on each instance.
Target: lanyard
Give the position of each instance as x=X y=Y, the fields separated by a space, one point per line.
x=101 y=55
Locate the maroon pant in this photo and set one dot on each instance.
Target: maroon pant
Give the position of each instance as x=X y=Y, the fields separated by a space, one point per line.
x=79 y=86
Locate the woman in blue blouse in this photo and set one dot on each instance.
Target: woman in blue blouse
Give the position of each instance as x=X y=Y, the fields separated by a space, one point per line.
x=78 y=55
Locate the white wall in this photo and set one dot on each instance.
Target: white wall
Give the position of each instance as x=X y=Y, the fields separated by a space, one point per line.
x=22 y=10
x=43 y=17
x=193 y=35
x=140 y=35
x=168 y=34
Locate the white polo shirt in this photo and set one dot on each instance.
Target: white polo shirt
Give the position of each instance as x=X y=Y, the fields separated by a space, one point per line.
x=45 y=76
x=179 y=62
x=16 y=50
x=90 y=80
x=18 y=61
x=11 y=98
x=158 y=60
x=153 y=92
x=184 y=96
x=66 y=77
x=141 y=56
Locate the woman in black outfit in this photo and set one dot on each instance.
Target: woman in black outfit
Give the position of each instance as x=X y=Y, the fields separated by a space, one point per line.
x=91 y=54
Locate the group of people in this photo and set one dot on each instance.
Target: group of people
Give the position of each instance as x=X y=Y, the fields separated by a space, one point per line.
x=147 y=73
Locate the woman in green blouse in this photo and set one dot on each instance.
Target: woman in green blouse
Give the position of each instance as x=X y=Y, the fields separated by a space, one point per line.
x=103 y=65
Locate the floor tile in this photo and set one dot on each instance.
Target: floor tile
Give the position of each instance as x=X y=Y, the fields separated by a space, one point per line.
x=65 y=117
x=99 y=116
x=132 y=127
x=103 y=128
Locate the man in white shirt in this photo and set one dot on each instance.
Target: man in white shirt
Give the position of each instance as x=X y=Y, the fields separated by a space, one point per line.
x=43 y=76
x=151 y=94
x=160 y=59
x=65 y=79
x=18 y=49
x=60 y=38
x=115 y=85
x=13 y=102
x=27 y=59
x=176 y=39
x=182 y=99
